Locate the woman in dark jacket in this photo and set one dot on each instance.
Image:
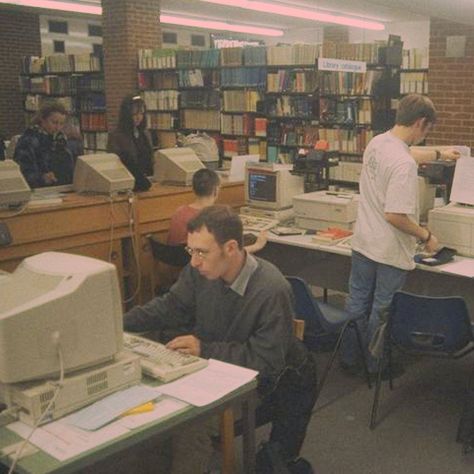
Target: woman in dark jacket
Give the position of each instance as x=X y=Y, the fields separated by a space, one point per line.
x=42 y=151
x=131 y=143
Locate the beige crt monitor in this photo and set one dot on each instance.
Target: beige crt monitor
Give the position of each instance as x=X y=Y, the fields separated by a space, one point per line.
x=176 y=166
x=101 y=173
x=13 y=187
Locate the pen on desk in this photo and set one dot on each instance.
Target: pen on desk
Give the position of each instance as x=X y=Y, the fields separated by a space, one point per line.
x=140 y=409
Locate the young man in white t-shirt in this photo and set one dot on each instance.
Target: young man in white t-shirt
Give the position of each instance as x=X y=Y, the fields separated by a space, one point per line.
x=386 y=231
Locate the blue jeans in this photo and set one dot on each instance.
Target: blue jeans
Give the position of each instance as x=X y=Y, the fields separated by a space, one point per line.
x=371 y=289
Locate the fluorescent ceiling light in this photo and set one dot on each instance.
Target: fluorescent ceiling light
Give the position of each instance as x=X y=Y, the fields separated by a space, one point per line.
x=52 y=5
x=219 y=25
x=169 y=19
x=304 y=13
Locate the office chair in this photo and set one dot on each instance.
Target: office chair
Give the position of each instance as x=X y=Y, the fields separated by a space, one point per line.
x=427 y=326
x=173 y=255
x=321 y=320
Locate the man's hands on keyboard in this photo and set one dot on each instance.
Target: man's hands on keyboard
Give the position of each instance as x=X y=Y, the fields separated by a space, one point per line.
x=161 y=362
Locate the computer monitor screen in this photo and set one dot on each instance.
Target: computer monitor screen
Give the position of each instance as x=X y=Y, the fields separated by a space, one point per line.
x=57 y=298
x=14 y=189
x=271 y=187
x=176 y=166
x=101 y=173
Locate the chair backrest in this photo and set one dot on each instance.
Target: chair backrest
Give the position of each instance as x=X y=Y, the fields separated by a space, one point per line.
x=429 y=324
x=175 y=255
x=306 y=307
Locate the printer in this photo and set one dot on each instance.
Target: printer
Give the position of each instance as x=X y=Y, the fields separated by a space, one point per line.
x=322 y=209
x=453 y=224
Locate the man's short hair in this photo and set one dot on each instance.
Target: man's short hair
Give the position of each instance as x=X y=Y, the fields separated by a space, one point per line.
x=221 y=221
x=413 y=107
x=205 y=182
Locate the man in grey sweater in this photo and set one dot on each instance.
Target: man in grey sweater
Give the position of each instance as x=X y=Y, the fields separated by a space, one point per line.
x=238 y=309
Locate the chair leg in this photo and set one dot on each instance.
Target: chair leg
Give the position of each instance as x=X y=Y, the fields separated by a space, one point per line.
x=375 y=404
x=390 y=365
x=353 y=324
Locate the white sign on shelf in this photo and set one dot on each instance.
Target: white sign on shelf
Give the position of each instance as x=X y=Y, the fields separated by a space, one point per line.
x=341 y=65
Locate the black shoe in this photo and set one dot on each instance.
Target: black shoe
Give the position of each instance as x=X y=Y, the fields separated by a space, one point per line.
x=397 y=371
x=300 y=466
x=351 y=369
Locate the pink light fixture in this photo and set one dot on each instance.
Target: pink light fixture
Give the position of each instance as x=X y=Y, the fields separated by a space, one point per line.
x=306 y=14
x=219 y=25
x=51 y=5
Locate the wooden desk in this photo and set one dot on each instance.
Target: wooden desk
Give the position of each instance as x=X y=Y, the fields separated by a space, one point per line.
x=329 y=267
x=99 y=227
x=90 y=461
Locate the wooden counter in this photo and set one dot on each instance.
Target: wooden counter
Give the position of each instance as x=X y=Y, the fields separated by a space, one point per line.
x=110 y=229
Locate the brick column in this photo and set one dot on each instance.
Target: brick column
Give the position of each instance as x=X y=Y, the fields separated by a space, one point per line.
x=19 y=36
x=336 y=34
x=128 y=25
x=451 y=85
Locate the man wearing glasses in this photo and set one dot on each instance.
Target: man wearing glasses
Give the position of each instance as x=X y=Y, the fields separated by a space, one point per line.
x=238 y=309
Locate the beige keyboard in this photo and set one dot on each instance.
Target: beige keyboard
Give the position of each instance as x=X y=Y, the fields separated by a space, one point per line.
x=159 y=362
x=256 y=224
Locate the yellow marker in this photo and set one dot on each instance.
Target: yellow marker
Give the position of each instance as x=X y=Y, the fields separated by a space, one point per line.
x=140 y=409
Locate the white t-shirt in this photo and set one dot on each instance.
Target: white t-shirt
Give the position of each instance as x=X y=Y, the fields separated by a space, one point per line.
x=388 y=183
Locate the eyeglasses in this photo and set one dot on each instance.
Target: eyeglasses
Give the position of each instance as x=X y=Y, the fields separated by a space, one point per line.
x=199 y=253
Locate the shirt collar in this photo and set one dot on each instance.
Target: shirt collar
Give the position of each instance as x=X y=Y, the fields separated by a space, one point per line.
x=239 y=285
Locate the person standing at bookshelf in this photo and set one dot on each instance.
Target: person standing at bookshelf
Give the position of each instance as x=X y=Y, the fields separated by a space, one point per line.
x=42 y=151
x=386 y=230
x=131 y=142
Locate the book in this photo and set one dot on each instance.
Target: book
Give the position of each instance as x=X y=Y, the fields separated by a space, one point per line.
x=331 y=235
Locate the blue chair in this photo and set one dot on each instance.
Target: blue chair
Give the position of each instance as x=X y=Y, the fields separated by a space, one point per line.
x=321 y=320
x=427 y=326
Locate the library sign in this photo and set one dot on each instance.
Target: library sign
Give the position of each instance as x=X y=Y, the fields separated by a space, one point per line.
x=341 y=65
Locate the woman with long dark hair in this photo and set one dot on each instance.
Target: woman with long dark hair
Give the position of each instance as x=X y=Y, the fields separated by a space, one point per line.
x=131 y=142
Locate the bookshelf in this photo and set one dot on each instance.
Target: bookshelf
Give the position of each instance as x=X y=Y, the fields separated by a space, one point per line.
x=77 y=82
x=273 y=100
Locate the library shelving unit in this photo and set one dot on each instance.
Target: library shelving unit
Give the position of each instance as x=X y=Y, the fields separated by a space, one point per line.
x=274 y=100
x=414 y=80
x=242 y=84
x=77 y=82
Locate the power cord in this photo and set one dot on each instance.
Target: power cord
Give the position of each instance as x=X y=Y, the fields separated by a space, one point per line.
x=58 y=385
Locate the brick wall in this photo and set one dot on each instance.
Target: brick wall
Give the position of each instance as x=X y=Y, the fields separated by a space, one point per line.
x=128 y=26
x=451 y=85
x=19 y=36
x=337 y=34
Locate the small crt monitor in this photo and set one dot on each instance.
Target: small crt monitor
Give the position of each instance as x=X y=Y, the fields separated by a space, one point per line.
x=176 y=166
x=271 y=186
x=14 y=189
x=56 y=299
x=101 y=173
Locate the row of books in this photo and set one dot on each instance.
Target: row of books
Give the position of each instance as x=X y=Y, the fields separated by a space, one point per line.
x=84 y=62
x=204 y=98
x=276 y=154
x=92 y=102
x=293 y=135
x=95 y=140
x=59 y=85
x=248 y=56
x=34 y=102
x=157 y=80
x=197 y=58
x=349 y=83
x=93 y=122
x=248 y=77
x=156 y=58
x=198 y=78
x=293 y=54
x=346 y=141
x=237 y=124
x=414 y=82
x=345 y=111
x=285 y=80
x=161 y=100
x=241 y=100
x=291 y=106
x=162 y=120
x=200 y=119
x=367 y=52
x=243 y=146
x=415 y=58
